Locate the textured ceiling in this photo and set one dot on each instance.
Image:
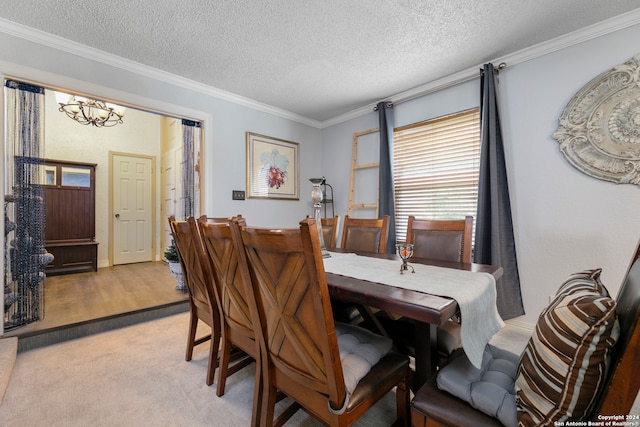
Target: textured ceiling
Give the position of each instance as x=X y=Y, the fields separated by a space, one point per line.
x=315 y=58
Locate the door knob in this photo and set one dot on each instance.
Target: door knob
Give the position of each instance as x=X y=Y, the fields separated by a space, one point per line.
x=117 y=215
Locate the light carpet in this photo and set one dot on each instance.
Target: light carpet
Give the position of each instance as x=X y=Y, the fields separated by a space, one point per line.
x=137 y=376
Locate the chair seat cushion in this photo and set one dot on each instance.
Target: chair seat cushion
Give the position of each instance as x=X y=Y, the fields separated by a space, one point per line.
x=360 y=350
x=489 y=389
x=431 y=404
x=564 y=363
x=390 y=366
x=403 y=332
x=449 y=337
x=345 y=312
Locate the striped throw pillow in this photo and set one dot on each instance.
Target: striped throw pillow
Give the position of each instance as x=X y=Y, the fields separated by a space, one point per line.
x=565 y=361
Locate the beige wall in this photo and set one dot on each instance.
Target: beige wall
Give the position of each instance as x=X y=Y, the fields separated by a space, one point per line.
x=67 y=140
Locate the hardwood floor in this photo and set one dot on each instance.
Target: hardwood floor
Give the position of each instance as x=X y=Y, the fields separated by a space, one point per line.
x=77 y=298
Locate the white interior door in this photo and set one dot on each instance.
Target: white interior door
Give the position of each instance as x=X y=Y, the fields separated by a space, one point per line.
x=132 y=209
x=171 y=162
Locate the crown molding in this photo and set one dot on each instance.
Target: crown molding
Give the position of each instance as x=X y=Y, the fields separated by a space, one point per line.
x=65 y=45
x=581 y=35
x=584 y=34
x=599 y=29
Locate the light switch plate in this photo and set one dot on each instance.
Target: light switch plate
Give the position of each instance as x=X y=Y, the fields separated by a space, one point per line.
x=237 y=195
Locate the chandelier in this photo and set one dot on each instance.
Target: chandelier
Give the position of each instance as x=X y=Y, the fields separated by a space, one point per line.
x=88 y=111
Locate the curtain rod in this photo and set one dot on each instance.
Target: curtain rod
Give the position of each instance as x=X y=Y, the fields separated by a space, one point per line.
x=467 y=76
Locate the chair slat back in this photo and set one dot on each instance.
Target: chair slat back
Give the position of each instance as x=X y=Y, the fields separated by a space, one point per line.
x=218 y=243
x=199 y=279
x=446 y=240
x=365 y=235
x=330 y=227
x=623 y=381
x=214 y=220
x=285 y=271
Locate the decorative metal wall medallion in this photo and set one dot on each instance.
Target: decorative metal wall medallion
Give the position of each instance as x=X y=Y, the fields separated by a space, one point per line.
x=599 y=131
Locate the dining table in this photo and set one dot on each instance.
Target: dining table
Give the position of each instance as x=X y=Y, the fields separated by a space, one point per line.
x=366 y=280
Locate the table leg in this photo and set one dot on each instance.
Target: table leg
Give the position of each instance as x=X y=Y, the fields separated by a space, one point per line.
x=426 y=340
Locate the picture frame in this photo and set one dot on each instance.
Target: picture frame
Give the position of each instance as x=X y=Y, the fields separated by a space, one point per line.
x=273 y=168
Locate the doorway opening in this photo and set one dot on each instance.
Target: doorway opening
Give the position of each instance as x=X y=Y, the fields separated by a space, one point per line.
x=154 y=138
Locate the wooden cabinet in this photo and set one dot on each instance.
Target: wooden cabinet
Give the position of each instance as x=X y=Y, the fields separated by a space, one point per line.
x=70 y=216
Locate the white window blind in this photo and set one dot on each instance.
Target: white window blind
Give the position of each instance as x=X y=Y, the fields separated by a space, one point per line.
x=436 y=164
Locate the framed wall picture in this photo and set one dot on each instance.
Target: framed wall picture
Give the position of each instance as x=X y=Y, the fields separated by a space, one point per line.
x=273 y=168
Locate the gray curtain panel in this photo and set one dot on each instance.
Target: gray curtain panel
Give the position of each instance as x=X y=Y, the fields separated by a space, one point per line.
x=494 y=242
x=189 y=129
x=386 y=200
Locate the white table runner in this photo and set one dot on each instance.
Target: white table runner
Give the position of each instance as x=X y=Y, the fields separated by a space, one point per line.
x=475 y=293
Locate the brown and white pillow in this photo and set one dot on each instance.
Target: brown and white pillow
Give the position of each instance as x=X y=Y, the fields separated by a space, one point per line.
x=565 y=361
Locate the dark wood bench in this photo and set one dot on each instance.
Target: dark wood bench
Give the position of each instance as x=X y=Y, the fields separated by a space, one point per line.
x=434 y=407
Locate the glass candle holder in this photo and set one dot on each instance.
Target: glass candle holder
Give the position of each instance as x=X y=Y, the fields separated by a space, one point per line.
x=405 y=251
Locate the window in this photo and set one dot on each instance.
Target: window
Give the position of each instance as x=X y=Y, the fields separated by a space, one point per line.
x=436 y=166
x=50 y=173
x=76 y=177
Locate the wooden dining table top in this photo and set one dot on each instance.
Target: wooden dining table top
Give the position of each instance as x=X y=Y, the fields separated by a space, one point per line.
x=420 y=306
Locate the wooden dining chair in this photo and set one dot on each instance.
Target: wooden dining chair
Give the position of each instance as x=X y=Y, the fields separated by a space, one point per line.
x=214 y=219
x=365 y=235
x=203 y=303
x=444 y=240
x=330 y=227
x=237 y=326
x=304 y=353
